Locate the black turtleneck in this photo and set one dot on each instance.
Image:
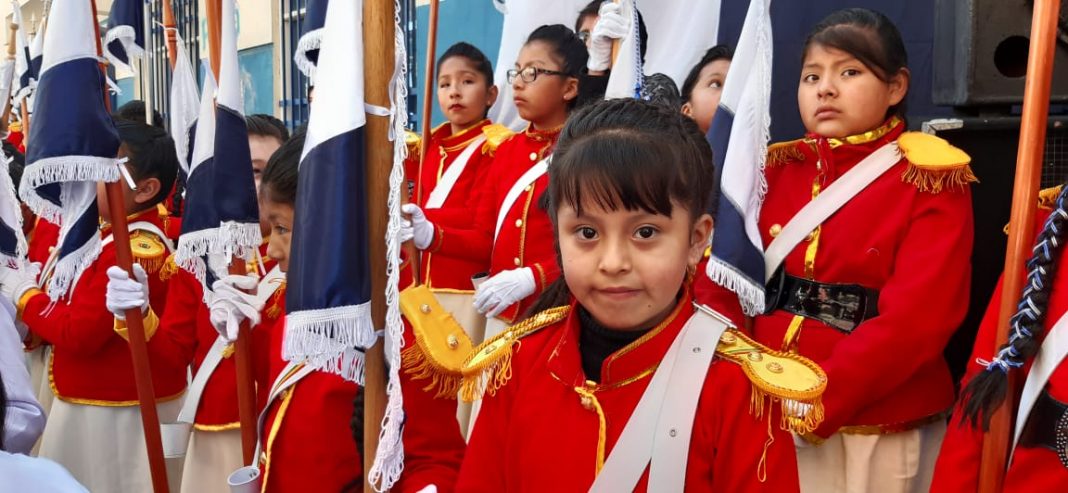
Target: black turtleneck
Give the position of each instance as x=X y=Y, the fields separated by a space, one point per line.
x=597 y=343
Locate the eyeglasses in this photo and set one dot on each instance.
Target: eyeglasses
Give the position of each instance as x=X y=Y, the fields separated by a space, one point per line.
x=530 y=74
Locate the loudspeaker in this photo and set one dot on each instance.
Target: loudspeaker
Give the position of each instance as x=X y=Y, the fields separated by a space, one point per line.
x=980 y=52
x=992 y=143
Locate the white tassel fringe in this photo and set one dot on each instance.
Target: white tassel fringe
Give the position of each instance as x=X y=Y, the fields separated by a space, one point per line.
x=327 y=339
x=62 y=169
x=750 y=295
x=309 y=41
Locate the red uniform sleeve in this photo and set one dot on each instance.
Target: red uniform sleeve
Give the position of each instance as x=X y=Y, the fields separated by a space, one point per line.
x=920 y=307
x=175 y=342
x=470 y=237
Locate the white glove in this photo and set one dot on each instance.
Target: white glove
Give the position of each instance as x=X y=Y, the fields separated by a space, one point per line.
x=503 y=290
x=418 y=229
x=430 y=488
x=125 y=293
x=15 y=282
x=232 y=304
x=610 y=26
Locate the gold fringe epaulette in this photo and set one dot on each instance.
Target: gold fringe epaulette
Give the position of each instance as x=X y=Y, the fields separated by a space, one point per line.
x=169 y=269
x=148 y=250
x=489 y=366
x=441 y=344
x=795 y=382
x=781 y=153
x=934 y=164
x=414 y=143
x=1047 y=197
x=274 y=310
x=495 y=134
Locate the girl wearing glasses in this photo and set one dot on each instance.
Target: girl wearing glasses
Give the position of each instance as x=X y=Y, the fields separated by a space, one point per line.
x=510 y=231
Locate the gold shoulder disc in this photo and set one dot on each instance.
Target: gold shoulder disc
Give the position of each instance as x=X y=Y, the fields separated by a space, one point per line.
x=414 y=143
x=495 y=134
x=489 y=366
x=781 y=153
x=934 y=164
x=794 y=381
x=148 y=250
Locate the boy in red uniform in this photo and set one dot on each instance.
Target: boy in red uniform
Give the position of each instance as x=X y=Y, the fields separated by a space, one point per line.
x=625 y=384
x=94 y=428
x=1037 y=346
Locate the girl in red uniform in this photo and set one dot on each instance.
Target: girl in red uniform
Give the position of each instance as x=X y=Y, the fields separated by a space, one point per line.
x=874 y=292
x=569 y=382
x=509 y=230
x=1039 y=458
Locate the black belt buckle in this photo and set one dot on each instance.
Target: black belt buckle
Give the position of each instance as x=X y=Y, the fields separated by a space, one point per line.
x=839 y=306
x=1047 y=427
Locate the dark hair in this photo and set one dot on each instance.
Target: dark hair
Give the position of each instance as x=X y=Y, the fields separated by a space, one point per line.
x=718 y=52
x=632 y=154
x=134 y=111
x=17 y=164
x=3 y=413
x=151 y=154
x=984 y=393
x=474 y=55
x=266 y=126
x=566 y=47
x=594 y=9
x=279 y=180
x=870 y=37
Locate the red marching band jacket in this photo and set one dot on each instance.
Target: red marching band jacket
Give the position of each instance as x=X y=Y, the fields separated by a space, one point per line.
x=908 y=235
x=1032 y=469
x=449 y=271
x=91 y=362
x=525 y=239
x=543 y=431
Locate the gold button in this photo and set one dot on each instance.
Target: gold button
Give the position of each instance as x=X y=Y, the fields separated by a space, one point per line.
x=519 y=223
x=728 y=339
x=263 y=458
x=529 y=188
x=533 y=156
x=51 y=249
x=775 y=230
x=452 y=341
x=811 y=236
x=755 y=356
x=517 y=262
x=587 y=402
x=774 y=367
x=425 y=308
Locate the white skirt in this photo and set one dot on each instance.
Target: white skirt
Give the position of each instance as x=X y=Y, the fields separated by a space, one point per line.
x=211 y=457
x=37 y=364
x=104 y=447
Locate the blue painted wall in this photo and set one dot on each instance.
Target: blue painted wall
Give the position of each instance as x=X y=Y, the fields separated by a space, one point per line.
x=127 y=86
x=474 y=21
x=257 y=82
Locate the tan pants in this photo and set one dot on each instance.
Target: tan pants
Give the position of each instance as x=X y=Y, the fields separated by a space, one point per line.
x=212 y=456
x=895 y=463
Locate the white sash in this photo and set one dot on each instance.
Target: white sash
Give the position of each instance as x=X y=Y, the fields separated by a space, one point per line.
x=1050 y=356
x=658 y=432
x=529 y=177
x=833 y=198
x=448 y=179
x=144 y=226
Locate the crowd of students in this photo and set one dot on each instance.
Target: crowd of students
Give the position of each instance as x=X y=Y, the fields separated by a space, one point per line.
x=572 y=254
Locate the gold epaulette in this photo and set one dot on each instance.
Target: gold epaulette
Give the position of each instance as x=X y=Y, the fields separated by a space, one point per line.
x=781 y=153
x=495 y=134
x=1047 y=197
x=148 y=250
x=489 y=366
x=414 y=144
x=934 y=164
x=169 y=269
x=441 y=344
x=795 y=382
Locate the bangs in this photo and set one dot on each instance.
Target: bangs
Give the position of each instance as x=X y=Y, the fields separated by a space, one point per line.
x=619 y=169
x=862 y=43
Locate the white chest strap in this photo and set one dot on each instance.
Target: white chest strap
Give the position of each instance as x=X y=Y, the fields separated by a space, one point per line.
x=1052 y=353
x=522 y=183
x=827 y=203
x=451 y=175
x=658 y=432
x=281 y=383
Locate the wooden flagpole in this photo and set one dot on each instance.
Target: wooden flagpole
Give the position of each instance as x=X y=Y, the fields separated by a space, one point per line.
x=1021 y=227
x=246 y=391
x=146 y=62
x=169 y=26
x=428 y=105
x=378 y=67
x=146 y=395
x=12 y=30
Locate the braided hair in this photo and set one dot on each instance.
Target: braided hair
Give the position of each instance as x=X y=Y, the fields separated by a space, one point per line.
x=983 y=395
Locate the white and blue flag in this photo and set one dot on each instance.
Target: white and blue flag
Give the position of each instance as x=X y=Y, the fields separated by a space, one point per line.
x=125 y=38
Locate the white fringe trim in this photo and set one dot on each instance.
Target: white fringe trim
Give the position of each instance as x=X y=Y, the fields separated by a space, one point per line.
x=309 y=41
x=69 y=268
x=59 y=170
x=126 y=36
x=389 y=457
x=328 y=339
x=750 y=295
x=9 y=200
x=231 y=238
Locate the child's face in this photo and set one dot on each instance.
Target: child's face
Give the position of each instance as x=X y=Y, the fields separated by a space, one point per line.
x=133 y=200
x=626 y=267
x=280 y=217
x=463 y=94
x=544 y=101
x=705 y=96
x=839 y=96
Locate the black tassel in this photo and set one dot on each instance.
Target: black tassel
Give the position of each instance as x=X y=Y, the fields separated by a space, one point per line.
x=982 y=396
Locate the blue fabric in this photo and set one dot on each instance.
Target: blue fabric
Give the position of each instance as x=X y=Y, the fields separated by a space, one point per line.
x=127 y=13
x=69 y=117
x=199 y=211
x=83 y=230
x=314 y=18
x=32 y=69
x=730 y=244
x=330 y=218
x=8 y=240
x=233 y=181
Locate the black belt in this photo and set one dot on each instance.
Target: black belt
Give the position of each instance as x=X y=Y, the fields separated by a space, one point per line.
x=840 y=306
x=1047 y=427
